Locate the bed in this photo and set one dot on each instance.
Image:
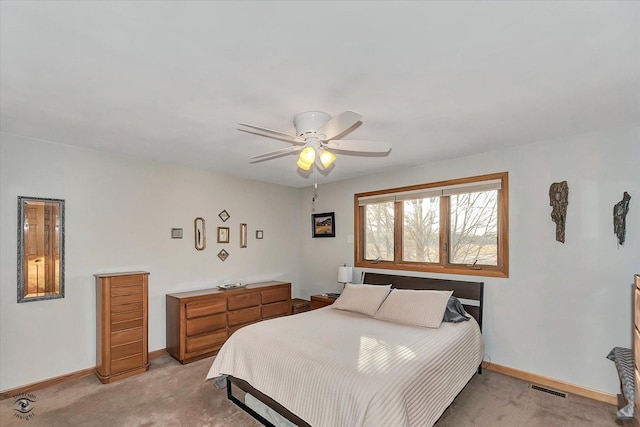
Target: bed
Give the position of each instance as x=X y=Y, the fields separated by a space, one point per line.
x=314 y=371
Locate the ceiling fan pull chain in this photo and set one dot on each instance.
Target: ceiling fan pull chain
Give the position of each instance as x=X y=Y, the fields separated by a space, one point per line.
x=315 y=191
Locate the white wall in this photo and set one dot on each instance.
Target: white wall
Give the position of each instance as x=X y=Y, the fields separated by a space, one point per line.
x=119 y=212
x=559 y=313
x=564 y=306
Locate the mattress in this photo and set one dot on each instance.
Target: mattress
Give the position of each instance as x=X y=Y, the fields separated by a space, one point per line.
x=337 y=368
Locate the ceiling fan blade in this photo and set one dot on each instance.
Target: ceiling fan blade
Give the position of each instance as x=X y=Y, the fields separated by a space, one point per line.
x=275 y=153
x=269 y=133
x=339 y=124
x=358 y=146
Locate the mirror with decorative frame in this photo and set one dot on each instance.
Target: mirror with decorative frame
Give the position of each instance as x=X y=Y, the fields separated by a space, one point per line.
x=40 y=248
x=200 y=233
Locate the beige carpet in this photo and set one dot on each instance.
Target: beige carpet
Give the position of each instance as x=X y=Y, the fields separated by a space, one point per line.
x=171 y=394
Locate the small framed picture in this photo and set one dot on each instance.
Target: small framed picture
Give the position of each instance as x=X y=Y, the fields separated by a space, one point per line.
x=223 y=234
x=259 y=234
x=223 y=255
x=243 y=235
x=323 y=225
x=224 y=215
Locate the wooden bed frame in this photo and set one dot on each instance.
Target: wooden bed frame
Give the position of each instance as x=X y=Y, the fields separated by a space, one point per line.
x=471 y=292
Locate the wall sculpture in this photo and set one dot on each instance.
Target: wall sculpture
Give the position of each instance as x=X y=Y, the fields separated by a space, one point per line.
x=559 y=199
x=620 y=210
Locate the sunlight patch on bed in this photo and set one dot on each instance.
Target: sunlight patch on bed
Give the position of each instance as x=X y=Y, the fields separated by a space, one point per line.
x=376 y=356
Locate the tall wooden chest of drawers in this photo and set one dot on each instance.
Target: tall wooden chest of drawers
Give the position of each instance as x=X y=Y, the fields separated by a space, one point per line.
x=199 y=322
x=121 y=325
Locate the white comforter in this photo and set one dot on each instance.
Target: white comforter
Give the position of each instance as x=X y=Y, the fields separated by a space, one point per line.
x=337 y=368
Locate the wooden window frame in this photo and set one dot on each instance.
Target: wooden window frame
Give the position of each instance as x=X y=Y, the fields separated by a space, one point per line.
x=443 y=266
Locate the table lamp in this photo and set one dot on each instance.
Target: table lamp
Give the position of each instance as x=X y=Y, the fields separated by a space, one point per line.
x=345 y=274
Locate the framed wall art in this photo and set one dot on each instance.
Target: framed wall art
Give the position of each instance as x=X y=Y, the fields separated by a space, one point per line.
x=243 y=235
x=224 y=215
x=323 y=224
x=199 y=233
x=223 y=234
x=223 y=255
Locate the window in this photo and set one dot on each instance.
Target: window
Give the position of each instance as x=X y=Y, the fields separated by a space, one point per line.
x=457 y=227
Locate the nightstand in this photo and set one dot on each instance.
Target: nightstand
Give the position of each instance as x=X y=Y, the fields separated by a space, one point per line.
x=319 y=301
x=299 y=305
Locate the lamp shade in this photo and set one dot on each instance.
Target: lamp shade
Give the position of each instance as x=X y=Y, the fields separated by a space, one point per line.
x=326 y=158
x=345 y=274
x=308 y=155
x=303 y=165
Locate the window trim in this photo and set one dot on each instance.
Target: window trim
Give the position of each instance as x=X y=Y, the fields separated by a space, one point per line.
x=502 y=270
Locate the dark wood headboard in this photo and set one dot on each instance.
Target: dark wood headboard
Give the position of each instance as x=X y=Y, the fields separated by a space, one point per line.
x=473 y=291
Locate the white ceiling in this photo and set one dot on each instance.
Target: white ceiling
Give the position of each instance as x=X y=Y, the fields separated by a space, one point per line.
x=171 y=80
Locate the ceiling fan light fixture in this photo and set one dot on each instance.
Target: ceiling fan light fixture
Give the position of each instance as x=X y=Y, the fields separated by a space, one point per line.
x=308 y=155
x=327 y=158
x=303 y=165
x=316 y=132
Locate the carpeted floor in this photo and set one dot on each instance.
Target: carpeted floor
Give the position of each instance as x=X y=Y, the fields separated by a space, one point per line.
x=171 y=394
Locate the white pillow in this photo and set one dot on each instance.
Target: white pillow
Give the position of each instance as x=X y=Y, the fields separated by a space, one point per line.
x=413 y=307
x=365 y=299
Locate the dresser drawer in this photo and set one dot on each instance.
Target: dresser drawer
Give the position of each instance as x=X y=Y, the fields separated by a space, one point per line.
x=126 y=350
x=127 y=324
x=126 y=315
x=204 y=308
x=276 y=309
x=124 y=299
x=126 y=364
x=135 y=279
x=236 y=302
x=126 y=336
x=121 y=308
x=245 y=315
x=207 y=323
x=207 y=342
x=126 y=289
x=274 y=295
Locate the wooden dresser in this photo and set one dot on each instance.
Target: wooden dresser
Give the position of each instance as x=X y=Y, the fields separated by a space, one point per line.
x=199 y=322
x=121 y=325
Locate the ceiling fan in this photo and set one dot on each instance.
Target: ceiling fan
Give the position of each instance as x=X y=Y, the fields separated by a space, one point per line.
x=316 y=133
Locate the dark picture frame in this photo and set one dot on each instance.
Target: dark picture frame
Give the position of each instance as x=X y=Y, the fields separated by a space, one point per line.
x=224 y=215
x=323 y=224
x=223 y=255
